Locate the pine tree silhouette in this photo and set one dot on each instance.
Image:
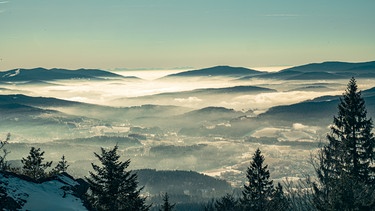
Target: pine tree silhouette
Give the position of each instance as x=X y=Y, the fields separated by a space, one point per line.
x=3 y=163
x=167 y=206
x=345 y=168
x=227 y=203
x=257 y=193
x=33 y=165
x=111 y=187
x=61 y=166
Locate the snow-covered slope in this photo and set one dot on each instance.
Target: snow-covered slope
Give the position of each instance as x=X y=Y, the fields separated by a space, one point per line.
x=56 y=193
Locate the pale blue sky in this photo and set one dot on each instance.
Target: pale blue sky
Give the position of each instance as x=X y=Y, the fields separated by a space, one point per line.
x=174 y=33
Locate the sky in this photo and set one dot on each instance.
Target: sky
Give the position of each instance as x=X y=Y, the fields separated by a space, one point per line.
x=174 y=33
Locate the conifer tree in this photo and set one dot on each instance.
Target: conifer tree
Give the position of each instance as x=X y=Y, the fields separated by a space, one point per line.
x=111 y=186
x=3 y=163
x=167 y=206
x=258 y=192
x=61 y=166
x=227 y=203
x=33 y=165
x=210 y=205
x=345 y=167
x=279 y=201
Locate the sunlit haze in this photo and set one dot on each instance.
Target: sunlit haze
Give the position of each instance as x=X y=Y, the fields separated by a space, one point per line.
x=187 y=91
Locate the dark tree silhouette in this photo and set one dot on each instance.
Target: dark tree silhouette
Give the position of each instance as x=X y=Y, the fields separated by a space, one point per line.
x=259 y=193
x=299 y=194
x=279 y=201
x=210 y=205
x=33 y=165
x=111 y=187
x=227 y=203
x=61 y=166
x=3 y=163
x=167 y=206
x=345 y=165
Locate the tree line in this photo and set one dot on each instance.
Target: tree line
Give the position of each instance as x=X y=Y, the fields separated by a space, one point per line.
x=344 y=166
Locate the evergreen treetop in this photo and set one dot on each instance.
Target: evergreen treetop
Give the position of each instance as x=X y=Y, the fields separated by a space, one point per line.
x=345 y=168
x=112 y=187
x=167 y=206
x=259 y=189
x=33 y=165
x=351 y=136
x=3 y=163
x=227 y=203
x=61 y=166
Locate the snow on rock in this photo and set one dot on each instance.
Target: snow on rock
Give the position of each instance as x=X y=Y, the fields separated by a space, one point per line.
x=15 y=73
x=55 y=193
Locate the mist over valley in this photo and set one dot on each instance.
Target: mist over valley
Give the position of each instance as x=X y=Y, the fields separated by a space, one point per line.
x=207 y=120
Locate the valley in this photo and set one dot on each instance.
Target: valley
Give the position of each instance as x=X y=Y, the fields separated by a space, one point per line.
x=207 y=120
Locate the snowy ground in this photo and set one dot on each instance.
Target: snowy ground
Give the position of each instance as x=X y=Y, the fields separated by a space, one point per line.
x=50 y=195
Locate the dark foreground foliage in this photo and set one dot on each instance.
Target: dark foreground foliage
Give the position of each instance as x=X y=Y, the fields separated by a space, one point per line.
x=345 y=167
x=112 y=187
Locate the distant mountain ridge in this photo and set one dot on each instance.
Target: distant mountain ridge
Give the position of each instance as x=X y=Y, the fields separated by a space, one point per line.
x=234 y=90
x=317 y=111
x=322 y=71
x=181 y=182
x=212 y=114
x=334 y=67
x=216 y=71
x=196 y=98
x=313 y=71
x=35 y=101
x=223 y=90
x=42 y=74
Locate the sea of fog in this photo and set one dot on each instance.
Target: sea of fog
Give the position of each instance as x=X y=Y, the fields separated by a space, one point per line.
x=116 y=92
x=213 y=153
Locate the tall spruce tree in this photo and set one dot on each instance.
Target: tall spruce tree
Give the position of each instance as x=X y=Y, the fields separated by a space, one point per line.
x=111 y=187
x=345 y=167
x=33 y=165
x=259 y=191
x=166 y=206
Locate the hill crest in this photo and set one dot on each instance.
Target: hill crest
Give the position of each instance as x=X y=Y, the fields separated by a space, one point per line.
x=216 y=71
x=333 y=67
x=43 y=74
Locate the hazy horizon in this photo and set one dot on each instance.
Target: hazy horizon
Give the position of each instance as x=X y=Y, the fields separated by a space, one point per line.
x=155 y=72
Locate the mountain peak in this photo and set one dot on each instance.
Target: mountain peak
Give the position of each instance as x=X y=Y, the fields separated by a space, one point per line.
x=332 y=66
x=217 y=71
x=42 y=74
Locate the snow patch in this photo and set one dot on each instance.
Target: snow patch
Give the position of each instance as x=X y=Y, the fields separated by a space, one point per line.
x=56 y=194
x=12 y=74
